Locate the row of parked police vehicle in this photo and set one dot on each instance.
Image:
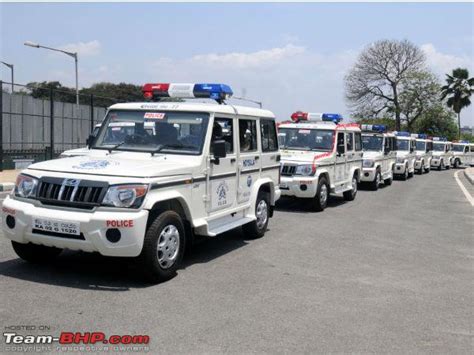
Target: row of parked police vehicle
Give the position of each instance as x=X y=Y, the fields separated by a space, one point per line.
x=157 y=174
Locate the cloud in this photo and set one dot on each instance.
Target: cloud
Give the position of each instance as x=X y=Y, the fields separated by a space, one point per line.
x=83 y=48
x=285 y=78
x=442 y=63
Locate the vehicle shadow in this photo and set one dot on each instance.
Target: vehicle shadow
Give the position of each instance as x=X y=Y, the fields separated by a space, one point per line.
x=92 y=271
x=295 y=205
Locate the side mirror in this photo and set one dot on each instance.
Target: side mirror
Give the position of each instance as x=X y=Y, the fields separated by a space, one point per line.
x=90 y=141
x=218 y=150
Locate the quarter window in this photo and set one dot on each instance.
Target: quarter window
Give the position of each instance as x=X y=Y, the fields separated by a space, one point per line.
x=268 y=135
x=358 y=142
x=248 y=135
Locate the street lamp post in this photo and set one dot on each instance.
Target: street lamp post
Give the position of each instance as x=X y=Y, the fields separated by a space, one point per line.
x=71 y=54
x=11 y=66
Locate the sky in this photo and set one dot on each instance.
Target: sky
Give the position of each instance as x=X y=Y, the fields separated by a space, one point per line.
x=289 y=56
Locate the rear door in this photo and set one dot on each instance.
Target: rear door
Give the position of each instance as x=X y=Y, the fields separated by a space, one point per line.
x=340 y=168
x=270 y=166
x=249 y=162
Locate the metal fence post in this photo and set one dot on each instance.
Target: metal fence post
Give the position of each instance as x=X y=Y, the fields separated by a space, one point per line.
x=1 y=125
x=51 y=122
x=92 y=113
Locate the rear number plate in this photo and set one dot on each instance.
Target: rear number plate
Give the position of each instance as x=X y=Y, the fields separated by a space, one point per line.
x=56 y=226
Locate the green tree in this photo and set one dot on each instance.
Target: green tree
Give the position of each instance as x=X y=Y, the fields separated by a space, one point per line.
x=458 y=90
x=436 y=121
x=42 y=90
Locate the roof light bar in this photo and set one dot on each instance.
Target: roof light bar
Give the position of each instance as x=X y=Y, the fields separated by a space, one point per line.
x=299 y=116
x=218 y=92
x=440 y=139
x=380 y=128
x=402 y=134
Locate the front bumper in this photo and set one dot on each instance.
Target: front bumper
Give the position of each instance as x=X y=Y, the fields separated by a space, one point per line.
x=368 y=174
x=93 y=227
x=400 y=168
x=299 y=186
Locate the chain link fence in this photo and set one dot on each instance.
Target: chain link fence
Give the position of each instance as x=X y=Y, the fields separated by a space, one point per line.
x=40 y=123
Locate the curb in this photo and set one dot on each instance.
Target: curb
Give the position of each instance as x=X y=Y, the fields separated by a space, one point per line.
x=6 y=186
x=469 y=174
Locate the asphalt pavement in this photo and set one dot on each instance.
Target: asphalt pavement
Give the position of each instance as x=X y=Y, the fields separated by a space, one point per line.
x=391 y=272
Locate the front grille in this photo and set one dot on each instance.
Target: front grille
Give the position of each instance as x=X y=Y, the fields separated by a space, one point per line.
x=288 y=170
x=71 y=192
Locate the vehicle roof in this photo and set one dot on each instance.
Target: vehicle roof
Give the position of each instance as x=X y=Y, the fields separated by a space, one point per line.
x=423 y=140
x=460 y=143
x=385 y=134
x=195 y=107
x=320 y=125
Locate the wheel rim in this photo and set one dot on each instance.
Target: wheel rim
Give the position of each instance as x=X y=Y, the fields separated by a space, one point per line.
x=323 y=195
x=354 y=185
x=262 y=214
x=168 y=246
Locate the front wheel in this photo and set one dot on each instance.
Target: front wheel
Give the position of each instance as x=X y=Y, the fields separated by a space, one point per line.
x=256 y=229
x=37 y=254
x=351 y=194
x=374 y=185
x=320 y=200
x=163 y=247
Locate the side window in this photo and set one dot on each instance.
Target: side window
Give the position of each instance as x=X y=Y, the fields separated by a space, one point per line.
x=387 y=145
x=268 y=135
x=465 y=149
x=350 y=142
x=340 y=143
x=223 y=129
x=472 y=148
x=248 y=135
x=429 y=146
x=358 y=142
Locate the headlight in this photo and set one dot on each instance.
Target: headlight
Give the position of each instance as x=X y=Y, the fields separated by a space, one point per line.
x=368 y=163
x=305 y=170
x=125 y=196
x=25 y=186
x=400 y=160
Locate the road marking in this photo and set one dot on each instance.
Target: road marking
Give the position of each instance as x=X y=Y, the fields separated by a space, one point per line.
x=463 y=188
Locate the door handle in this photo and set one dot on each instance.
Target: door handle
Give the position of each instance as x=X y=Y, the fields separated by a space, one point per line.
x=232 y=160
x=257 y=157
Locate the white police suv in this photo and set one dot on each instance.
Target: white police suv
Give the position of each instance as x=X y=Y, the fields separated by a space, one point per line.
x=461 y=154
x=319 y=156
x=423 y=152
x=405 y=145
x=144 y=192
x=379 y=155
x=442 y=154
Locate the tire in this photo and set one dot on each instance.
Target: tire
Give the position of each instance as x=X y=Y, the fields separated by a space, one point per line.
x=441 y=165
x=256 y=229
x=351 y=194
x=320 y=201
x=163 y=247
x=422 y=168
x=37 y=254
x=405 y=174
x=388 y=181
x=374 y=185
x=456 y=164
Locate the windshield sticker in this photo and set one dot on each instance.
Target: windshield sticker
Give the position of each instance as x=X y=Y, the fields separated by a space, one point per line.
x=154 y=115
x=94 y=164
x=304 y=131
x=122 y=124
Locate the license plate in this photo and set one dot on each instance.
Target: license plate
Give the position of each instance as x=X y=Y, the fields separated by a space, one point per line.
x=56 y=226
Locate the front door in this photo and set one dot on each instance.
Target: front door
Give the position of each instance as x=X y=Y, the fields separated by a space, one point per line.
x=223 y=174
x=340 y=169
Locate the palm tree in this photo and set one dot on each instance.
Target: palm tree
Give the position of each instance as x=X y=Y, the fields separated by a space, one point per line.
x=458 y=90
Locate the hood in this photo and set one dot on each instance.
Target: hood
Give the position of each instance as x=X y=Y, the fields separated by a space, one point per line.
x=372 y=155
x=305 y=157
x=402 y=153
x=122 y=164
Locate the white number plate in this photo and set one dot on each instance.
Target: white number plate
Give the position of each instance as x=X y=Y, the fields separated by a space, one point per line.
x=56 y=226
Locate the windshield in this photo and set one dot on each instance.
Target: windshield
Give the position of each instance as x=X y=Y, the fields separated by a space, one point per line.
x=458 y=148
x=306 y=139
x=402 y=144
x=420 y=145
x=372 y=143
x=143 y=131
x=438 y=147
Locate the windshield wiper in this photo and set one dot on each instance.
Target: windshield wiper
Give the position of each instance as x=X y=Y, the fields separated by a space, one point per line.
x=115 y=147
x=171 y=145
